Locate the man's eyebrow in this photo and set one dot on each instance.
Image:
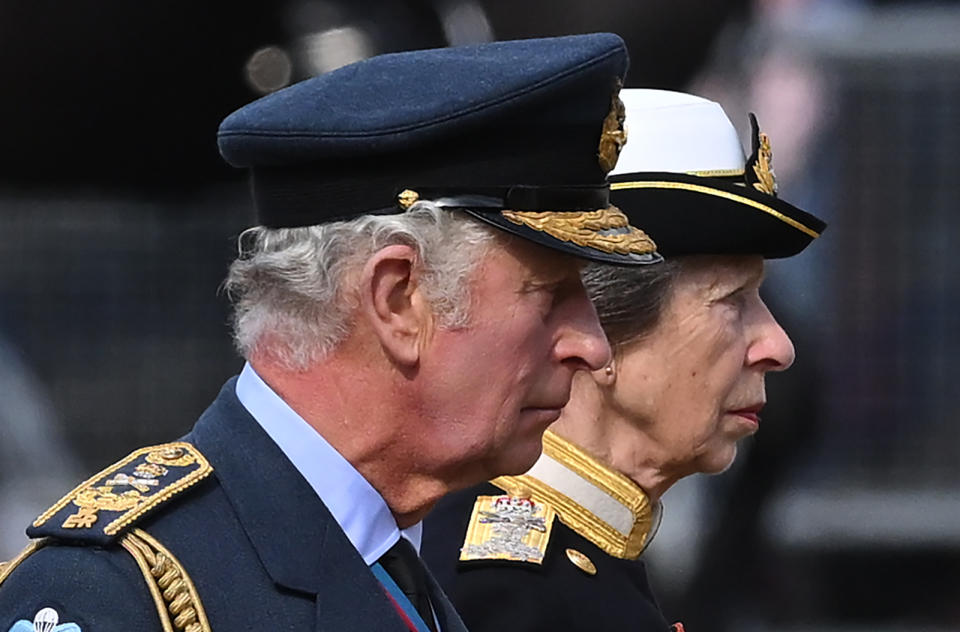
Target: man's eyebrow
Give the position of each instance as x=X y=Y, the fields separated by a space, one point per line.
x=533 y=285
x=551 y=279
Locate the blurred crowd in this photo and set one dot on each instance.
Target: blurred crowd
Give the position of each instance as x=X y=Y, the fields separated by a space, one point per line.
x=842 y=513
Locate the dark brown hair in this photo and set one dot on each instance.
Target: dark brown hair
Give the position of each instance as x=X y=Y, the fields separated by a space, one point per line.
x=629 y=300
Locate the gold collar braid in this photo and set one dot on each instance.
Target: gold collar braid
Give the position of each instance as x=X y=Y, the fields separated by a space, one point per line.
x=573 y=514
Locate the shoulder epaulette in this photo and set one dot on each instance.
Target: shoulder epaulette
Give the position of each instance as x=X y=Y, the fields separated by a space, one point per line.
x=104 y=505
x=512 y=527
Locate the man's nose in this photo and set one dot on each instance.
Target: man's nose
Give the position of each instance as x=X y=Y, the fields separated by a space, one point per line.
x=581 y=340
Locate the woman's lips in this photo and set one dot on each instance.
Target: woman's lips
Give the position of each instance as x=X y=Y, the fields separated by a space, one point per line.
x=750 y=412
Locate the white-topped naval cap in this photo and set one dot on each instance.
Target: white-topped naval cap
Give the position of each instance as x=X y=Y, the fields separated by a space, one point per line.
x=678 y=133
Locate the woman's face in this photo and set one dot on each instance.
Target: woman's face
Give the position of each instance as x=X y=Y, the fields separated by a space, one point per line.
x=695 y=383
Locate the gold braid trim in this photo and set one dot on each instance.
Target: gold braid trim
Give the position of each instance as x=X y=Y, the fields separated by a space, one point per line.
x=578 y=517
x=6 y=568
x=174 y=594
x=697 y=188
x=590 y=229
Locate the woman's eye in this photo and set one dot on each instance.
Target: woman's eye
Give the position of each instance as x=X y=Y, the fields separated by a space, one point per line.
x=737 y=298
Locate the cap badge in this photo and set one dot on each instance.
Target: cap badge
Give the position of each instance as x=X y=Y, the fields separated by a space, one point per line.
x=606 y=229
x=581 y=561
x=614 y=136
x=508 y=527
x=760 y=165
x=766 y=179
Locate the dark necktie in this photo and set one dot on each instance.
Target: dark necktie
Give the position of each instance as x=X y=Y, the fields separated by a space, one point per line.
x=404 y=566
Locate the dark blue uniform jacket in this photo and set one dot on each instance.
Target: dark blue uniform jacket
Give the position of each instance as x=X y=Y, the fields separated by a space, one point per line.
x=261 y=549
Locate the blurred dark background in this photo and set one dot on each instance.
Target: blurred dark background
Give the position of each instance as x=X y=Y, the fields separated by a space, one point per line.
x=118 y=220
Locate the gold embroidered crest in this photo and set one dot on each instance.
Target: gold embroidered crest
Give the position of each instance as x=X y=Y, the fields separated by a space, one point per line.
x=606 y=229
x=613 y=136
x=130 y=488
x=508 y=527
x=763 y=168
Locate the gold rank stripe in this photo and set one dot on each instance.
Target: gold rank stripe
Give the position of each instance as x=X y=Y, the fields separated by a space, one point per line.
x=201 y=469
x=697 y=188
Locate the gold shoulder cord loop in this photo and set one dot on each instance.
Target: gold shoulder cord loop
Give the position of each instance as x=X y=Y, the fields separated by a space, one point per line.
x=6 y=568
x=174 y=594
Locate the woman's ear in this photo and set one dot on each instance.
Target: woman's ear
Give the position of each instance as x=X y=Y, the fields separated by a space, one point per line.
x=392 y=301
x=607 y=376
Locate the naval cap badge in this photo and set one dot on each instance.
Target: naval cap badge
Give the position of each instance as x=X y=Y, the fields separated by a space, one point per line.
x=759 y=172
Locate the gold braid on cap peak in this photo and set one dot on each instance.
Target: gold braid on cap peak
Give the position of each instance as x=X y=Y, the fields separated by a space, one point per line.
x=590 y=229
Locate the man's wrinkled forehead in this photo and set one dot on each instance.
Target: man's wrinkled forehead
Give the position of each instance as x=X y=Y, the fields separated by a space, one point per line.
x=542 y=267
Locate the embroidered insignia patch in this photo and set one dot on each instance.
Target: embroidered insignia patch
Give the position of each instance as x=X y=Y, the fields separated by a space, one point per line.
x=46 y=620
x=122 y=493
x=509 y=527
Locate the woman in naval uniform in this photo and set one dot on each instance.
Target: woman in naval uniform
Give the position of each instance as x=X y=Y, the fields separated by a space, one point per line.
x=558 y=548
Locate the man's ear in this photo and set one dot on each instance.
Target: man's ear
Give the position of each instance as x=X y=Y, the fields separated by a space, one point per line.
x=393 y=303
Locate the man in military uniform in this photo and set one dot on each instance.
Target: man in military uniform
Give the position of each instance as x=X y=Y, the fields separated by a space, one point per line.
x=559 y=548
x=411 y=313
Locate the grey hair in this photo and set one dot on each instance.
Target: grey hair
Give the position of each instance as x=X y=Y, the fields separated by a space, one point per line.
x=629 y=300
x=292 y=287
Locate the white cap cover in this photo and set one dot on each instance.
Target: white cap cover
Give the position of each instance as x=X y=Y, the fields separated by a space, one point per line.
x=679 y=133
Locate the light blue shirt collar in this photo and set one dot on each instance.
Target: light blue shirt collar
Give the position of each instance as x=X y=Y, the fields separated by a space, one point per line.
x=356 y=506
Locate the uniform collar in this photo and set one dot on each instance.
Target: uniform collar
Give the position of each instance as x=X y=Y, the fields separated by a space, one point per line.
x=597 y=502
x=355 y=505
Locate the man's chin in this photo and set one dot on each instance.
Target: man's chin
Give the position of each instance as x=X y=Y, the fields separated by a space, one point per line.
x=519 y=459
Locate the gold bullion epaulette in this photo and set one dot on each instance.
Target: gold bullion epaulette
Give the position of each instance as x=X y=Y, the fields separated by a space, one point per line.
x=103 y=506
x=512 y=527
